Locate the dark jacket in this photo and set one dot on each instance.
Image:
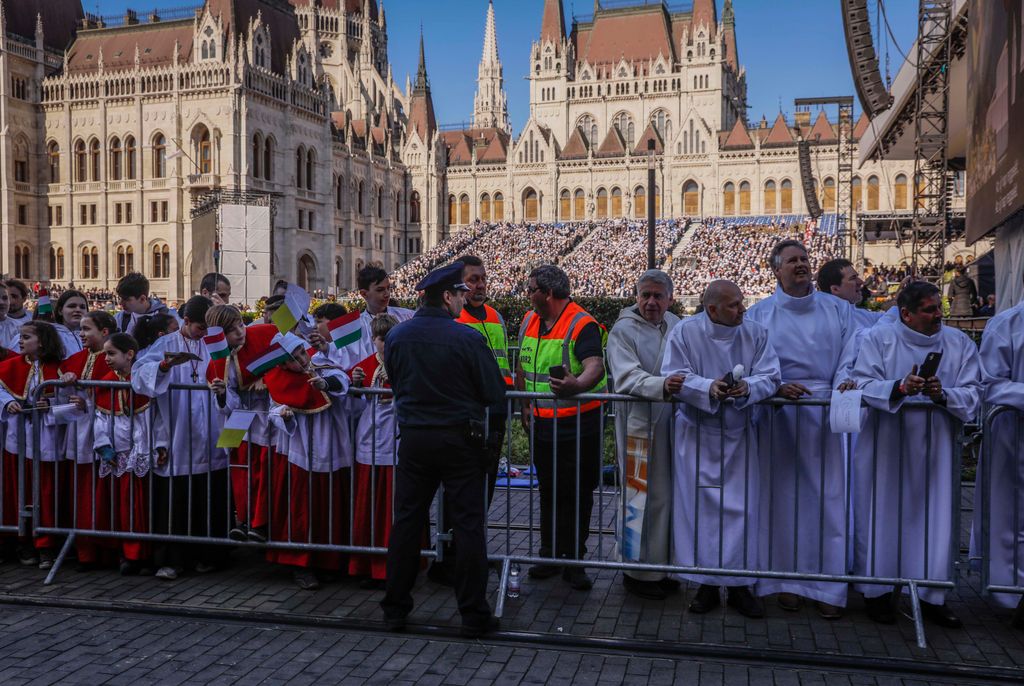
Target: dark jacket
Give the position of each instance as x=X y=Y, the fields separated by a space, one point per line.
x=962 y=296
x=442 y=372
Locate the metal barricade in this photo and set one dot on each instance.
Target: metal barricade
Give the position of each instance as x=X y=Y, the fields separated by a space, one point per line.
x=999 y=519
x=769 y=500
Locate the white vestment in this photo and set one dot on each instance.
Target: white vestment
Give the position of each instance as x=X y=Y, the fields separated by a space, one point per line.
x=716 y=467
x=317 y=441
x=642 y=439
x=1002 y=359
x=903 y=467
x=803 y=475
x=192 y=417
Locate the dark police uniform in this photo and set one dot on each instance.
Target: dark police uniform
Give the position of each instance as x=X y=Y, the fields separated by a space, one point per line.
x=443 y=376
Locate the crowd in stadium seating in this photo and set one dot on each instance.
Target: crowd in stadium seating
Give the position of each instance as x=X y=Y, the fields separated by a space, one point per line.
x=614 y=255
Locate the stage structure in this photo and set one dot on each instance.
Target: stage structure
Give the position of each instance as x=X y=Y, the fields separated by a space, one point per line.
x=844 y=172
x=236 y=231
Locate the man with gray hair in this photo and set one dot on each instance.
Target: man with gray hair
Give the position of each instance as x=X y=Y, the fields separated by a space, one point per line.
x=642 y=437
x=561 y=352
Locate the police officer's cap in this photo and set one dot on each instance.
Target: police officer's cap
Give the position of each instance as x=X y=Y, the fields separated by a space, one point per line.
x=447 y=278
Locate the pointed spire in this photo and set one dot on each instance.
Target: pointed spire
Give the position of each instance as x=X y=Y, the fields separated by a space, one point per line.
x=552 y=25
x=382 y=20
x=422 y=84
x=421 y=107
x=490 y=56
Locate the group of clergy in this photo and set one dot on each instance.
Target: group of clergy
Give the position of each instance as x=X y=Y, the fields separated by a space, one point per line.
x=744 y=481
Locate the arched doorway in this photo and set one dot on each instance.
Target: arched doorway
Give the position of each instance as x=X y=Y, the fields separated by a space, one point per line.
x=531 y=205
x=306 y=276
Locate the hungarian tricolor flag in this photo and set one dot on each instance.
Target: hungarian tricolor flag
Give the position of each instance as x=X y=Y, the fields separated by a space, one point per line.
x=274 y=356
x=235 y=428
x=216 y=343
x=292 y=310
x=43 y=304
x=345 y=330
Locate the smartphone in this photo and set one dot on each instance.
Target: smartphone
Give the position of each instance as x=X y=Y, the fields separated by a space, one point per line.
x=729 y=380
x=557 y=372
x=182 y=356
x=931 y=365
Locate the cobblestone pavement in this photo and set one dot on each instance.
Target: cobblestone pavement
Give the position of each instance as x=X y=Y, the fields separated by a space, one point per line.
x=54 y=646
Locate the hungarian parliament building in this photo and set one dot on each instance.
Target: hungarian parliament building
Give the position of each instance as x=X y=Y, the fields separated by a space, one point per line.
x=113 y=132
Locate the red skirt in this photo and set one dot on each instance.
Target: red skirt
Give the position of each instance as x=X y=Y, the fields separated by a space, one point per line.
x=53 y=476
x=121 y=499
x=92 y=511
x=249 y=483
x=295 y=494
x=374 y=488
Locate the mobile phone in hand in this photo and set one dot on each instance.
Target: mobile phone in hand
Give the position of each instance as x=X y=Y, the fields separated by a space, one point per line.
x=931 y=365
x=557 y=371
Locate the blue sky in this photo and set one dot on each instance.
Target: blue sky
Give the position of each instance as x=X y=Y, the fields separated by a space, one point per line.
x=790 y=48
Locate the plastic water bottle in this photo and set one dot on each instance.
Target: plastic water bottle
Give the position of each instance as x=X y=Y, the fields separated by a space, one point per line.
x=514 y=582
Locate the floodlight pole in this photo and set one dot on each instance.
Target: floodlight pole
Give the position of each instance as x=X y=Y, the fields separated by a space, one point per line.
x=650 y=204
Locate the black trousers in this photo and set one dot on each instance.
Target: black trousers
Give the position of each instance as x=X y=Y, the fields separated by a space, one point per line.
x=172 y=515
x=557 y=479
x=426 y=459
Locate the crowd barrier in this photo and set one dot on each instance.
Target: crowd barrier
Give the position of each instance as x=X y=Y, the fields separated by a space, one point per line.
x=759 y=514
x=1001 y=530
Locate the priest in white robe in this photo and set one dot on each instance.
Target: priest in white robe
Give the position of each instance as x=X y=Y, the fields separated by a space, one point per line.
x=1002 y=360
x=907 y=454
x=642 y=432
x=839 y=278
x=803 y=475
x=716 y=469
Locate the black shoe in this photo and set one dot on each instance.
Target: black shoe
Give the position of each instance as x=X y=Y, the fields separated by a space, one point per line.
x=1017 y=621
x=880 y=609
x=577 y=578
x=128 y=568
x=239 y=533
x=442 y=574
x=478 y=630
x=648 y=590
x=257 y=534
x=670 y=585
x=790 y=602
x=395 y=623
x=706 y=600
x=543 y=571
x=305 y=579
x=746 y=603
x=941 y=615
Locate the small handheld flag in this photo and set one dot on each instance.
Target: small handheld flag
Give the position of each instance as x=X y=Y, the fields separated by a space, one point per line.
x=216 y=343
x=274 y=356
x=292 y=310
x=235 y=428
x=345 y=330
x=43 y=304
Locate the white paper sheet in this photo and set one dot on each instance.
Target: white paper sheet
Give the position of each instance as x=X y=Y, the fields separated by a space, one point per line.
x=844 y=415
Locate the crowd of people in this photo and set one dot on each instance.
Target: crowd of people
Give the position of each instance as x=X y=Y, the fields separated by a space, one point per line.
x=740 y=254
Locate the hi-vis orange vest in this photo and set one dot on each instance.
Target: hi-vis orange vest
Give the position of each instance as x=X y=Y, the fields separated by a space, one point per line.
x=537 y=354
x=493 y=330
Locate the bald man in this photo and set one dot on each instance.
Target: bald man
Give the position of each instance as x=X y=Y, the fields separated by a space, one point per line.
x=728 y=365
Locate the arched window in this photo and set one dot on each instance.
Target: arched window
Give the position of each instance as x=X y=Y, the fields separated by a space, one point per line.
x=857 y=193
x=639 y=202
x=339 y=192
x=53 y=157
x=786 y=197
x=579 y=203
x=662 y=124
x=115 y=159
x=873 y=188
x=531 y=205
x=81 y=162
x=300 y=167
x=94 y=160
x=464 y=209
x=414 y=207
x=380 y=203
x=745 y=197
x=310 y=170
x=499 y=207
x=769 y=197
x=257 y=156
x=56 y=263
x=729 y=198
x=129 y=157
x=398 y=208
x=829 y=196
x=589 y=126
x=161 y=261
x=565 y=205
x=624 y=123
x=453 y=211
x=125 y=260
x=899 y=192
x=22 y=256
x=268 y=159
x=616 y=202
x=485 y=207
x=359 y=198
x=159 y=156
x=691 y=198
x=204 y=150
x=602 y=203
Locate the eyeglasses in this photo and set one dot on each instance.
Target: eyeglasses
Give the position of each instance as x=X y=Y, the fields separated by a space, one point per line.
x=531 y=291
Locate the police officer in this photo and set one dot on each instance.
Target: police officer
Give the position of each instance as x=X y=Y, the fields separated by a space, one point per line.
x=443 y=377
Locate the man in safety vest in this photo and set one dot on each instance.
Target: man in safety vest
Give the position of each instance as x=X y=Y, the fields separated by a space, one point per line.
x=561 y=352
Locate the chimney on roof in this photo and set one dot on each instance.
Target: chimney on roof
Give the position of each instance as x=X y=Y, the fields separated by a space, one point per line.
x=130 y=17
